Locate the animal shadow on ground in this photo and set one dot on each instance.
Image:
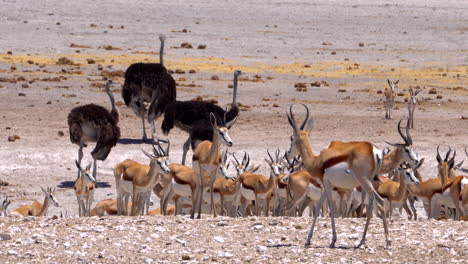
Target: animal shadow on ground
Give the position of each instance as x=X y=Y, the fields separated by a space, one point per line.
x=71 y=184
x=132 y=141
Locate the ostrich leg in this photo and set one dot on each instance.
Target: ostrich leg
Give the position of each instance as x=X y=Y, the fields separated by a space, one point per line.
x=80 y=156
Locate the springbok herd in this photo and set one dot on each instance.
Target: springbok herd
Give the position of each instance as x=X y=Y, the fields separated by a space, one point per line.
x=352 y=177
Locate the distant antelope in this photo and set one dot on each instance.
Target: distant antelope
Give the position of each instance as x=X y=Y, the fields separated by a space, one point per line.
x=390 y=98
x=412 y=101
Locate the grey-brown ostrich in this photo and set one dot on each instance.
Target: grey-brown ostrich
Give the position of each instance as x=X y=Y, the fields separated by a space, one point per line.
x=94 y=123
x=193 y=117
x=149 y=83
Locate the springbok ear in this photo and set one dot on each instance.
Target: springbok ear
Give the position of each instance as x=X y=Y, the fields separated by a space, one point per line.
x=147 y=154
x=88 y=167
x=43 y=190
x=231 y=123
x=421 y=161
x=267 y=161
x=254 y=169
x=391 y=144
x=396 y=82
x=310 y=125
x=213 y=120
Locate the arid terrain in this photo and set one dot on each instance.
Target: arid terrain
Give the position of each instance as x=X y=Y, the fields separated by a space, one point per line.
x=334 y=57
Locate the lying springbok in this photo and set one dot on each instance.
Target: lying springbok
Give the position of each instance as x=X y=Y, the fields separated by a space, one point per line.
x=84 y=189
x=206 y=160
x=412 y=101
x=454 y=192
x=390 y=98
x=138 y=180
x=343 y=164
x=4 y=206
x=38 y=209
x=106 y=207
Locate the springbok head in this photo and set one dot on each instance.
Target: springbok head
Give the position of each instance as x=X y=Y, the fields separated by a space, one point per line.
x=86 y=172
x=459 y=165
x=406 y=149
x=300 y=134
x=445 y=166
x=4 y=206
x=222 y=129
x=244 y=165
x=392 y=84
x=275 y=164
x=406 y=171
x=160 y=157
x=50 y=195
x=413 y=94
x=292 y=167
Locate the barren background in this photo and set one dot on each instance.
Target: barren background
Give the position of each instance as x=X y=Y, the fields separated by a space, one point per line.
x=349 y=48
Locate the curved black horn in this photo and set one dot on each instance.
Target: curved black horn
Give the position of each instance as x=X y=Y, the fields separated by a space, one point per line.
x=452 y=160
x=277 y=155
x=235 y=158
x=466 y=151
x=291 y=119
x=401 y=133
x=448 y=154
x=408 y=136
x=248 y=160
x=306 y=118
x=155 y=151
x=271 y=158
x=439 y=159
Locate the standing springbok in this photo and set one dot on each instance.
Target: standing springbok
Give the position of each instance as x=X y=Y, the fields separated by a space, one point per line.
x=206 y=160
x=138 y=180
x=454 y=192
x=412 y=101
x=4 y=206
x=84 y=190
x=390 y=98
x=343 y=164
x=38 y=209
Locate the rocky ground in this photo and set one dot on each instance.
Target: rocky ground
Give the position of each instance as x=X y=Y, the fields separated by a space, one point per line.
x=334 y=57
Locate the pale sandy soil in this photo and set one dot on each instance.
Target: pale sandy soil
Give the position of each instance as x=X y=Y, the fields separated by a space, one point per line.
x=419 y=42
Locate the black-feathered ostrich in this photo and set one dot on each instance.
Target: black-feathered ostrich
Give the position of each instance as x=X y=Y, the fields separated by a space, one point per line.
x=149 y=83
x=193 y=117
x=94 y=123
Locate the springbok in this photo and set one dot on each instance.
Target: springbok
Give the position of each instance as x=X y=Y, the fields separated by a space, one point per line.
x=4 y=206
x=84 y=190
x=206 y=159
x=412 y=101
x=138 y=180
x=454 y=192
x=38 y=209
x=343 y=164
x=106 y=207
x=390 y=98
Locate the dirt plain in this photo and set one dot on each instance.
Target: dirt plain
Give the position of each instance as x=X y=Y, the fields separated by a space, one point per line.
x=349 y=48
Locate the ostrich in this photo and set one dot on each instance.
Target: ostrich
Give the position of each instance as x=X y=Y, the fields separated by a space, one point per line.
x=149 y=83
x=93 y=123
x=193 y=117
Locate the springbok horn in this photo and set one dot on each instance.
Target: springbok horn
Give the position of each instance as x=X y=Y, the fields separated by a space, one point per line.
x=306 y=118
x=271 y=158
x=408 y=136
x=292 y=121
x=401 y=133
x=277 y=155
x=439 y=158
x=235 y=158
x=248 y=160
x=448 y=154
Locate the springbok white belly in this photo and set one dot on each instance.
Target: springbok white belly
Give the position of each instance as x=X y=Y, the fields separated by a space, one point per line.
x=250 y=195
x=126 y=186
x=313 y=192
x=339 y=176
x=282 y=193
x=216 y=197
x=181 y=189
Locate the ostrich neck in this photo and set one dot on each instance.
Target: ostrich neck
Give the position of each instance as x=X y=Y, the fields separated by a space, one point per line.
x=234 y=96
x=391 y=161
x=161 y=53
x=45 y=206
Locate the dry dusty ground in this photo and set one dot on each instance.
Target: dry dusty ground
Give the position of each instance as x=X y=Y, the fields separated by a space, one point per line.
x=349 y=48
